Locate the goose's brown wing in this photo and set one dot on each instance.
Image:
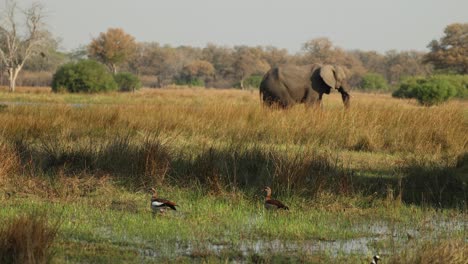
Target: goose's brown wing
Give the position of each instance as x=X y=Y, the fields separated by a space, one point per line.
x=277 y=203
x=165 y=202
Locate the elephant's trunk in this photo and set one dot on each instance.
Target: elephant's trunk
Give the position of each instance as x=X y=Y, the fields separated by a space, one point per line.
x=345 y=96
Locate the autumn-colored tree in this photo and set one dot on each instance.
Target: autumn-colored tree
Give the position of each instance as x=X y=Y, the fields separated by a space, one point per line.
x=112 y=48
x=17 y=43
x=319 y=50
x=451 y=51
x=222 y=60
x=322 y=50
x=249 y=61
x=198 y=69
x=274 y=56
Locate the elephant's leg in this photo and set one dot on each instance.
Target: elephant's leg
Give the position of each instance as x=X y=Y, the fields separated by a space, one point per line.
x=313 y=99
x=267 y=98
x=345 y=96
x=286 y=100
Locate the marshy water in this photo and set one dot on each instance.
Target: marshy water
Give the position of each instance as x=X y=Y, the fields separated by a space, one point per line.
x=383 y=238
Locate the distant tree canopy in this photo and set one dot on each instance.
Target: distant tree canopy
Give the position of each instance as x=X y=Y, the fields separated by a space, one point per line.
x=320 y=50
x=112 y=48
x=242 y=66
x=48 y=58
x=197 y=72
x=451 y=51
x=248 y=61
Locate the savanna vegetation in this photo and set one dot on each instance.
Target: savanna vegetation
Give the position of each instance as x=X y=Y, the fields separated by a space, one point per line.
x=433 y=90
x=33 y=58
x=387 y=177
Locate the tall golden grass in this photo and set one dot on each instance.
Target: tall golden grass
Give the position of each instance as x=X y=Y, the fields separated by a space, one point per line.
x=153 y=135
x=27 y=239
x=28 y=89
x=9 y=162
x=448 y=251
x=374 y=123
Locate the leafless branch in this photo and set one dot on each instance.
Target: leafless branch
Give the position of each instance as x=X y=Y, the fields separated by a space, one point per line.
x=18 y=43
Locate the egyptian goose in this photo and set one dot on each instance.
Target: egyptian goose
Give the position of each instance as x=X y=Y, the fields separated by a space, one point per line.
x=160 y=204
x=375 y=259
x=271 y=203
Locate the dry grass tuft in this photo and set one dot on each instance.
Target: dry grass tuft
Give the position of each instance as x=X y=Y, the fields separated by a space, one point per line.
x=450 y=251
x=9 y=162
x=29 y=89
x=27 y=239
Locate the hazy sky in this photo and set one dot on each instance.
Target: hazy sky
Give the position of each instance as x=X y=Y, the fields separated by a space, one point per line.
x=351 y=24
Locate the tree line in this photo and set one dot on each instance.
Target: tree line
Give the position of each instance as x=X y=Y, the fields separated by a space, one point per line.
x=216 y=66
x=239 y=66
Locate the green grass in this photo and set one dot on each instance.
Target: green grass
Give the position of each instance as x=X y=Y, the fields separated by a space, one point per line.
x=119 y=225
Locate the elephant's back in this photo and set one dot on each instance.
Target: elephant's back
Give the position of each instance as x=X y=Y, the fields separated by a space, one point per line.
x=296 y=79
x=296 y=72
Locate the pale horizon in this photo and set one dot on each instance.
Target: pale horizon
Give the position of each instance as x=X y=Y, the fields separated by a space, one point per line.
x=364 y=24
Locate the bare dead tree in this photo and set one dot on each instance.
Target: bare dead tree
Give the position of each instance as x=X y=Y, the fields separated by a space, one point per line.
x=18 y=42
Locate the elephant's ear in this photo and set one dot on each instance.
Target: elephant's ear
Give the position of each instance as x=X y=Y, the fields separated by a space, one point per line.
x=327 y=72
x=340 y=73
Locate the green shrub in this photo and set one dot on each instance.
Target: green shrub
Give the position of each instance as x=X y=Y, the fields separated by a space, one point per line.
x=252 y=81
x=184 y=80
x=373 y=82
x=406 y=87
x=127 y=82
x=83 y=76
x=460 y=82
x=433 y=90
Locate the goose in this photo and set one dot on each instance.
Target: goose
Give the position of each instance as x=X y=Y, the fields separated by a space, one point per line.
x=271 y=203
x=375 y=259
x=160 y=204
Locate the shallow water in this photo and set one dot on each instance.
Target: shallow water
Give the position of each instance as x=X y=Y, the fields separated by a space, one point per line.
x=384 y=239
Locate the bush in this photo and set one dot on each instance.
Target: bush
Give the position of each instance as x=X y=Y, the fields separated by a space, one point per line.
x=373 y=82
x=27 y=239
x=433 y=90
x=195 y=82
x=127 y=82
x=83 y=76
x=460 y=82
x=406 y=87
x=253 y=81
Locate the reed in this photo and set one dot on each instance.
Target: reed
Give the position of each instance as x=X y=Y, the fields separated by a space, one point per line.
x=27 y=238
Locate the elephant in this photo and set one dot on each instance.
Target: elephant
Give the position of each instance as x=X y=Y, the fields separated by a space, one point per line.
x=290 y=84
